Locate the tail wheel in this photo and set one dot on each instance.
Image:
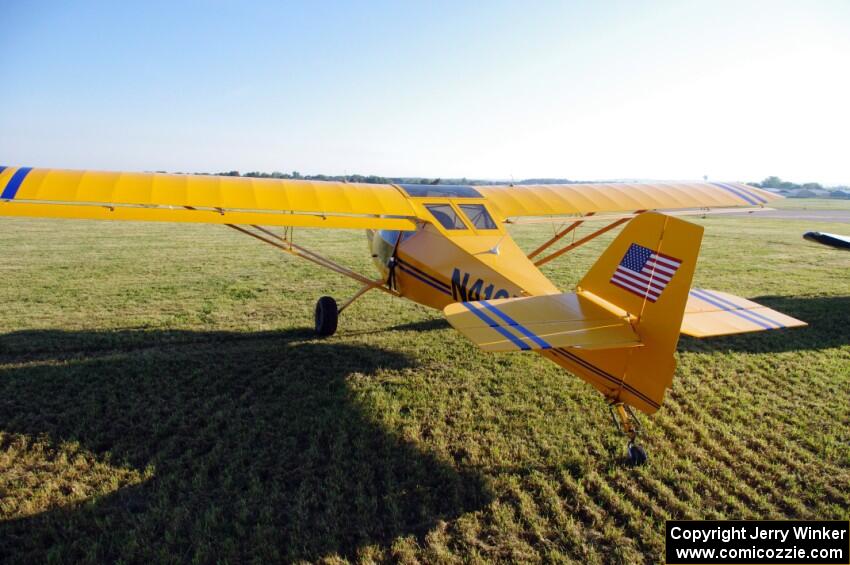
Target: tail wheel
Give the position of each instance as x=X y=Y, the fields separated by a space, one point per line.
x=628 y=424
x=327 y=316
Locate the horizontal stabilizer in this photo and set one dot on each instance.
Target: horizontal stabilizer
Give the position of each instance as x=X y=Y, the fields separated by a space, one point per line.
x=711 y=313
x=541 y=322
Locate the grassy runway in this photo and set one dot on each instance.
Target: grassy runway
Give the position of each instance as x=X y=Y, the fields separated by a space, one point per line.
x=163 y=400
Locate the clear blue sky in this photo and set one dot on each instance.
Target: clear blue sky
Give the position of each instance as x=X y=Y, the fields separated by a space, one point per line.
x=591 y=90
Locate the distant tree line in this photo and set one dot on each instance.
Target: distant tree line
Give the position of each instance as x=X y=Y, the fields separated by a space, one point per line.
x=778 y=183
x=375 y=179
x=773 y=182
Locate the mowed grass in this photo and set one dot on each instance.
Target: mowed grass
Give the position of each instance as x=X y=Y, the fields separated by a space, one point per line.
x=811 y=204
x=162 y=399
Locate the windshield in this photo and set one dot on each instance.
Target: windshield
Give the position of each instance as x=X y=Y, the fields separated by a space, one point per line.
x=440 y=191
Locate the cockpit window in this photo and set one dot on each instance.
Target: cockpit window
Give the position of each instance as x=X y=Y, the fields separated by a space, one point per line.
x=440 y=191
x=447 y=216
x=477 y=214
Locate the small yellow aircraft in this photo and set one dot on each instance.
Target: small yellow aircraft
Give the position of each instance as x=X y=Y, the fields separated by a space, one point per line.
x=447 y=247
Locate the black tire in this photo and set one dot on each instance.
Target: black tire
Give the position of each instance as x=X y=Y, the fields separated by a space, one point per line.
x=636 y=455
x=327 y=316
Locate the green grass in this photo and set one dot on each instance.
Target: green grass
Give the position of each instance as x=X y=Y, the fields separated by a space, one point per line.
x=811 y=204
x=162 y=399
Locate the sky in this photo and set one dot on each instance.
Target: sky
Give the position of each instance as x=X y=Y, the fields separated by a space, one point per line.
x=672 y=90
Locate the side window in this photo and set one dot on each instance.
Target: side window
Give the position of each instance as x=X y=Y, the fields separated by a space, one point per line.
x=479 y=217
x=391 y=236
x=446 y=215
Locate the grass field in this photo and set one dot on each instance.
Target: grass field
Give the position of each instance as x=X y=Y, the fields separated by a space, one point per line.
x=162 y=399
x=811 y=204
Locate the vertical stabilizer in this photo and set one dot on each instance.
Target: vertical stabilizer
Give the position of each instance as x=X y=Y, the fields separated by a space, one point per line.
x=647 y=272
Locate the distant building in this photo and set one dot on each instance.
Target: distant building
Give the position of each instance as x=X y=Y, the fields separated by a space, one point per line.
x=806 y=193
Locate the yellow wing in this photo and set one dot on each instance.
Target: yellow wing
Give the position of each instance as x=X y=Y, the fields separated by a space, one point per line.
x=199 y=198
x=563 y=199
x=711 y=313
x=541 y=322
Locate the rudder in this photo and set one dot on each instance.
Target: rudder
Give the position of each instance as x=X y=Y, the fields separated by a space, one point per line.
x=646 y=272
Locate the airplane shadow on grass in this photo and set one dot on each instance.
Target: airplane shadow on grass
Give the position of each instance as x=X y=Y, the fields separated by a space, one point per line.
x=829 y=326
x=260 y=449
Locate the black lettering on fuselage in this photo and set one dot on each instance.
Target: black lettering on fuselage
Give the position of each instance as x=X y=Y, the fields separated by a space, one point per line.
x=462 y=292
x=458 y=287
x=475 y=291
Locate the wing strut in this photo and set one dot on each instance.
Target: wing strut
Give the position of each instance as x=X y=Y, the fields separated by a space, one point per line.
x=287 y=246
x=582 y=241
x=556 y=238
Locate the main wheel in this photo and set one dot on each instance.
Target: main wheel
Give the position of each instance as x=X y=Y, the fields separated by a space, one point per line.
x=636 y=455
x=327 y=316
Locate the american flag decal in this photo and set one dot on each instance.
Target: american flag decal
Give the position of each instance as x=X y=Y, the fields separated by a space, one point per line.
x=645 y=272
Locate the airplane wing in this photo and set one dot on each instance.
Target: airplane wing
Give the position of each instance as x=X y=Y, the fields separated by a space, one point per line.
x=566 y=199
x=56 y=193
x=712 y=313
x=830 y=239
x=541 y=322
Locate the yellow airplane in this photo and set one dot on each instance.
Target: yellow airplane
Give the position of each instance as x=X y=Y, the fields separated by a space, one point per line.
x=447 y=247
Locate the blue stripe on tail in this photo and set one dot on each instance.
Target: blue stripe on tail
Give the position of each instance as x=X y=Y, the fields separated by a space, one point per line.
x=744 y=314
x=734 y=306
x=511 y=322
x=495 y=325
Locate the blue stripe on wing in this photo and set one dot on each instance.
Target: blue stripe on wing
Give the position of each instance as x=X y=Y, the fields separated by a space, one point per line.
x=15 y=183
x=737 y=192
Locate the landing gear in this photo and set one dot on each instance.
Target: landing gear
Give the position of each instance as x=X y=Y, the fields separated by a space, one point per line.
x=627 y=423
x=327 y=316
x=327 y=311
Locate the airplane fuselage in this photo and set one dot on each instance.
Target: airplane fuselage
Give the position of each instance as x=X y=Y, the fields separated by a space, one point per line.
x=435 y=269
